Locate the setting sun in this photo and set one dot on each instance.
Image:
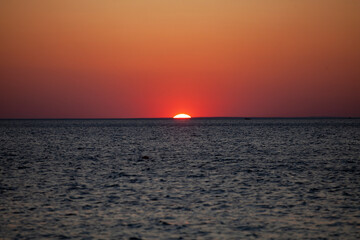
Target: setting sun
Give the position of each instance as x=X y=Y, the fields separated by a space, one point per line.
x=182 y=115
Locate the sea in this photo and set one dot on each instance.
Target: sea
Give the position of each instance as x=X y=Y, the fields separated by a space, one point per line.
x=199 y=178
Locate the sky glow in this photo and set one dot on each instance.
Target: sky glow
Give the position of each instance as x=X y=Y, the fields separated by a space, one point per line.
x=139 y=58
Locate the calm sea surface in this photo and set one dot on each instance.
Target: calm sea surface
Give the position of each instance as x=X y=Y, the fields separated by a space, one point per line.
x=180 y=179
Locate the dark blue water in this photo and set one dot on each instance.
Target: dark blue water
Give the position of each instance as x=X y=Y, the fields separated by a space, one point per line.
x=180 y=179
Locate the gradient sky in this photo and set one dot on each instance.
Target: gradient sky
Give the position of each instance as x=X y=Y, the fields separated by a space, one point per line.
x=141 y=58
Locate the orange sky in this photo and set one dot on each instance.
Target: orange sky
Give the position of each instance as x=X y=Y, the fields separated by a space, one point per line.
x=141 y=58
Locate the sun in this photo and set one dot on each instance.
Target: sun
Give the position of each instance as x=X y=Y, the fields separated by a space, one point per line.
x=182 y=116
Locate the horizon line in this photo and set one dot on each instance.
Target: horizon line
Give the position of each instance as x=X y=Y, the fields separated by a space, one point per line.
x=134 y=118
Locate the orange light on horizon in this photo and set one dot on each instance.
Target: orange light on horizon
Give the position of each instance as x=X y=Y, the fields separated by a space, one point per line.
x=182 y=116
